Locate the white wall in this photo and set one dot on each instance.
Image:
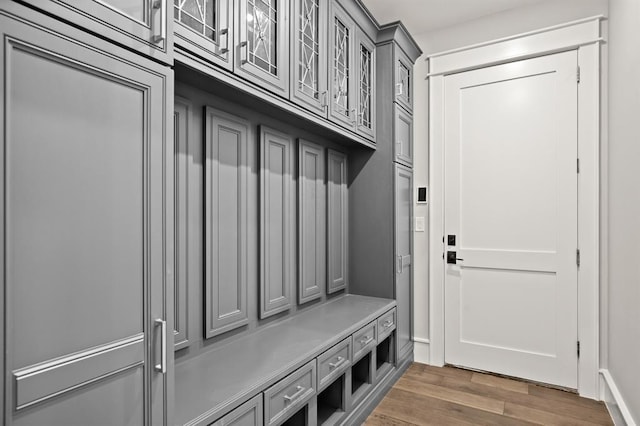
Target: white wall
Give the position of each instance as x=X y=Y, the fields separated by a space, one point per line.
x=504 y=24
x=623 y=354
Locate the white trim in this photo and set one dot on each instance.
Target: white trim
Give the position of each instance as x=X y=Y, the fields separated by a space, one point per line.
x=421 y=350
x=586 y=35
x=569 y=36
x=615 y=404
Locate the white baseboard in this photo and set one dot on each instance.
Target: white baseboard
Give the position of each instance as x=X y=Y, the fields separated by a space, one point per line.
x=613 y=399
x=421 y=350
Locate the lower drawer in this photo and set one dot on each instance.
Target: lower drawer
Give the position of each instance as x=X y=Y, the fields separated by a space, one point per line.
x=248 y=414
x=287 y=396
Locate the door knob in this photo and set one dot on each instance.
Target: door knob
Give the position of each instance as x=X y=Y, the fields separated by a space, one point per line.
x=451 y=258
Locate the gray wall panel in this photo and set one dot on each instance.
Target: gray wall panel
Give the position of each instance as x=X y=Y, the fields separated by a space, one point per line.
x=403 y=254
x=337 y=222
x=311 y=221
x=226 y=204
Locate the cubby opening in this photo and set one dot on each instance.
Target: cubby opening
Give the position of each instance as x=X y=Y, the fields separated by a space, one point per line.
x=361 y=374
x=385 y=355
x=331 y=402
x=298 y=419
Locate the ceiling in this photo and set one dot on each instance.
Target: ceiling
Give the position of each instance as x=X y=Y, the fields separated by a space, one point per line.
x=420 y=16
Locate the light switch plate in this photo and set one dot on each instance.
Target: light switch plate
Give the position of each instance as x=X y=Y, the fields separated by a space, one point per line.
x=419 y=224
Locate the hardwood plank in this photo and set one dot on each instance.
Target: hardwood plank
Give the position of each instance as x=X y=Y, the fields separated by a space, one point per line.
x=565 y=396
x=545 y=404
x=428 y=395
x=542 y=417
x=377 y=419
x=451 y=395
x=448 y=371
x=500 y=382
x=404 y=407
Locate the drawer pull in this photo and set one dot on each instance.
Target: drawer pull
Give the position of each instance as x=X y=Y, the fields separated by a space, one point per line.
x=299 y=391
x=366 y=341
x=387 y=323
x=339 y=361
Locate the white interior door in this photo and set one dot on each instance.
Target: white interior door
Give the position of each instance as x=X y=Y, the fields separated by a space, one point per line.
x=511 y=202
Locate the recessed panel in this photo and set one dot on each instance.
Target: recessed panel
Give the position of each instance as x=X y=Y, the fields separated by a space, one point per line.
x=75 y=161
x=509 y=165
x=513 y=310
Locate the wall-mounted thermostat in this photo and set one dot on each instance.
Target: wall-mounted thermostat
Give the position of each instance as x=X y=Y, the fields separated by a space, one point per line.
x=421 y=196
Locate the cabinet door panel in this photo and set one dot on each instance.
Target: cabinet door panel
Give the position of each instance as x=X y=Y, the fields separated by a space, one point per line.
x=204 y=28
x=366 y=95
x=226 y=199
x=138 y=24
x=181 y=131
x=277 y=217
x=403 y=135
x=84 y=234
x=311 y=221
x=404 y=255
x=338 y=218
x=309 y=66
x=403 y=75
x=263 y=43
x=342 y=106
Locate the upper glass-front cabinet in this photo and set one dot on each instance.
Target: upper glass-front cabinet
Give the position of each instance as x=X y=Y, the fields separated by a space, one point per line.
x=203 y=27
x=403 y=79
x=309 y=45
x=366 y=113
x=342 y=105
x=263 y=43
x=139 y=24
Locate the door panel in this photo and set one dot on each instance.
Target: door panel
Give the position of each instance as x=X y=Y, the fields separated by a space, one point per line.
x=403 y=253
x=84 y=238
x=337 y=222
x=511 y=200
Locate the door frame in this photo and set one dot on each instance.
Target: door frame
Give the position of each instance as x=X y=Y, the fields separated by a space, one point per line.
x=583 y=36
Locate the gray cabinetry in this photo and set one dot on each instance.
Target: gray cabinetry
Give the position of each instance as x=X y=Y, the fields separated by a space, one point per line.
x=248 y=414
x=204 y=27
x=283 y=399
x=139 y=24
x=181 y=129
x=309 y=54
x=226 y=204
x=402 y=136
x=403 y=254
x=365 y=91
x=277 y=214
x=403 y=77
x=342 y=33
x=262 y=43
x=312 y=265
x=85 y=248
x=337 y=220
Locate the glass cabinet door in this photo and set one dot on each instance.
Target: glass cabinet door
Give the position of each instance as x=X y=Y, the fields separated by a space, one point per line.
x=139 y=24
x=403 y=79
x=263 y=44
x=342 y=107
x=366 y=113
x=203 y=27
x=309 y=66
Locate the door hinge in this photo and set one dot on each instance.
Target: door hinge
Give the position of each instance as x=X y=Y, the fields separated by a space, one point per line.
x=578 y=165
x=578 y=348
x=578 y=74
x=578 y=257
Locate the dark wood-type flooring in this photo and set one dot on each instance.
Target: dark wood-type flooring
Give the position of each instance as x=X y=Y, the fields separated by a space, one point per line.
x=427 y=395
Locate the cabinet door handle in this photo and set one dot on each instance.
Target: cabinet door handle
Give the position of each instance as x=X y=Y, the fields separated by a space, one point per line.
x=339 y=361
x=387 y=323
x=162 y=5
x=325 y=104
x=400 y=265
x=244 y=47
x=225 y=33
x=399 y=89
x=299 y=391
x=162 y=367
x=364 y=342
x=354 y=114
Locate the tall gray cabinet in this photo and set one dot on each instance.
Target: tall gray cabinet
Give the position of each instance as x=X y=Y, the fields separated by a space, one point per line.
x=381 y=191
x=86 y=254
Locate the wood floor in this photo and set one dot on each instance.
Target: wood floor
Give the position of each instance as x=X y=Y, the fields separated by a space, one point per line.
x=427 y=395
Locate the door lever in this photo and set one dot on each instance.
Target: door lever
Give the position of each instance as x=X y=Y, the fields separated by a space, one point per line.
x=452 y=259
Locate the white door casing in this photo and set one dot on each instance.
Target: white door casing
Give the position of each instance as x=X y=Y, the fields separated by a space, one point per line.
x=511 y=201
x=583 y=36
